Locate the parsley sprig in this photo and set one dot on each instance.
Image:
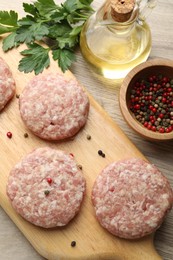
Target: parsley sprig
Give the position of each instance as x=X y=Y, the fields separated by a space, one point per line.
x=58 y=26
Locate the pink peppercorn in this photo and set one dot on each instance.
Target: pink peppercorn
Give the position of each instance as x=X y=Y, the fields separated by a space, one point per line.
x=9 y=135
x=49 y=180
x=161 y=130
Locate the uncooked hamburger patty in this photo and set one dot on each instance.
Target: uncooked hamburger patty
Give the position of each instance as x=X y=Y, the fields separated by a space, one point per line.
x=46 y=187
x=54 y=107
x=7 y=84
x=131 y=198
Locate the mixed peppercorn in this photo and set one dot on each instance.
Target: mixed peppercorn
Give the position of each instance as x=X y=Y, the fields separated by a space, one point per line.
x=9 y=135
x=151 y=102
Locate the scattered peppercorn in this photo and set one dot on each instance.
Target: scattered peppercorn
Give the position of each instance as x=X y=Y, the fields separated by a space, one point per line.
x=151 y=102
x=80 y=166
x=26 y=135
x=9 y=135
x=89 y=137
x=49 y=180
x=17 y=95
x=46 y=192
x=73 y=243
x=101 y=153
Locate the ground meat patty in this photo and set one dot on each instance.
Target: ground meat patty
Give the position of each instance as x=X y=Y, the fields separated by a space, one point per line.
x=131 y=198
x=46 y=187
x=54 y=107
x=7 y=84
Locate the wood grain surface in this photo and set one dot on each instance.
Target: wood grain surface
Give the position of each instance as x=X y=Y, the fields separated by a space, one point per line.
x=13 y=245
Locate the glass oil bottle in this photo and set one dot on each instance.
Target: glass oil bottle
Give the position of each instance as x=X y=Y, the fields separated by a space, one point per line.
x=117 y=38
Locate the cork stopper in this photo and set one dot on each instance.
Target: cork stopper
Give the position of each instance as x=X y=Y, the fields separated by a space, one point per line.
x=121 y=10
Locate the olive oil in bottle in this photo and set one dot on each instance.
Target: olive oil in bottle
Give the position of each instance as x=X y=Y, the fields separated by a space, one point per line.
x=113 y=46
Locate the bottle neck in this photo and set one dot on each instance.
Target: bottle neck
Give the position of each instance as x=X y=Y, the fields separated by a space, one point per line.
x=106 y=19
x=111 y=12
x=118 y=10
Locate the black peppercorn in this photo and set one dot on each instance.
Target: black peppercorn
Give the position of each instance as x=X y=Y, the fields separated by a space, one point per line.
x=100 y=152
x=88 y=137
x=46 y=192
x=73 y=243
x=25 y=135
x=80 y=166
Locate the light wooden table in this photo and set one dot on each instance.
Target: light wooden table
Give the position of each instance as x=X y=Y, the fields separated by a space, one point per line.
x=13 y=245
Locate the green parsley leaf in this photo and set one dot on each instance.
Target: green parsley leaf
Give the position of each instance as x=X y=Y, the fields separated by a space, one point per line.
x=65 y=42
x=37 y=58
x=9 y=42
x=8 y=18
x=65 y=58
x=30 y=9
x=56 y=30
x=73 y=5
x=45 y=7
x=8 y=21
x=59 y=16
x=28 y=20
x=30 y=33
x=4 y=29
x=86 y=2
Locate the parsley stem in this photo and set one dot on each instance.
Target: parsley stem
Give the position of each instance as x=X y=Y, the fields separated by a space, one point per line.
x=79 y=19
x=82 y=15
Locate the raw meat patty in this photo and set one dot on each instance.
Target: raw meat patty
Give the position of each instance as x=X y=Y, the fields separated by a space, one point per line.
x=131 y=198
x=54 y=107
x=46 y=187
x=7 y=84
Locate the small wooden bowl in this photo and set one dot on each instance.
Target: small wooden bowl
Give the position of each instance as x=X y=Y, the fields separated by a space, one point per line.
x=143 y=71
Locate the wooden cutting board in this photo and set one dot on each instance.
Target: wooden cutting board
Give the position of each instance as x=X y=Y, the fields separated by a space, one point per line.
x=92 y=241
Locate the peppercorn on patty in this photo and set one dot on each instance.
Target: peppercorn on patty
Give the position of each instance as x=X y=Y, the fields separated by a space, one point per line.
x=54 y=107
x=131 y=198
x=46 y=187
x=7 y=84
